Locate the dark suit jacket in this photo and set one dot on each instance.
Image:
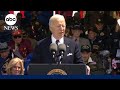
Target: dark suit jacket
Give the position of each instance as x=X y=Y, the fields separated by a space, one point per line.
x=42 y=53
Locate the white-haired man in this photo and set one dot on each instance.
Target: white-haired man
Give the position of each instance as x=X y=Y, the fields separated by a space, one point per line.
x=42 y=54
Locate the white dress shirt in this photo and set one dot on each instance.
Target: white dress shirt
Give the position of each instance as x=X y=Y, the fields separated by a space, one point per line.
x=61 y=41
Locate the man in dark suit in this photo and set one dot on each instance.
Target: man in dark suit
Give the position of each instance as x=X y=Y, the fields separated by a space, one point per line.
x=42 y=54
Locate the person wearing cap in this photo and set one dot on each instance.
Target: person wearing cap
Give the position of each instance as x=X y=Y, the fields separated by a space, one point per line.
x=86 y=52
x=100 y=27
x=94 y=40
x=93 y=63
x=5 y=56
x=77 y=31
x=20 y=46
x=103 y=33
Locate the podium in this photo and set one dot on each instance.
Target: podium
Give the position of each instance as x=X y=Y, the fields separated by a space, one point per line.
x=55 y=69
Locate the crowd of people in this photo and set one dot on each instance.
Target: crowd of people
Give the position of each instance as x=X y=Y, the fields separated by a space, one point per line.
x=93 y=40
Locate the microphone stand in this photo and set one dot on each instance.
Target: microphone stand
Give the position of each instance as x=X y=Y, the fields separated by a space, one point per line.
x=60 y=58
x=54 y=57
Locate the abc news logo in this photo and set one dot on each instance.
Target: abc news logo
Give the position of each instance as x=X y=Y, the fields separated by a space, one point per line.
x=10 y=20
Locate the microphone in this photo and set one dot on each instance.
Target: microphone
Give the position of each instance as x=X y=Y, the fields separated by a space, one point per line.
x=53 y=49
x=62 y=49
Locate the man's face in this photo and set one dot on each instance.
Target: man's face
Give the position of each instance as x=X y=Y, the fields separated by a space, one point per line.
x=99 y=26
x=91 y=35
x=58 y=28
x=4 y=54
x=76 y=32
x=85 y=56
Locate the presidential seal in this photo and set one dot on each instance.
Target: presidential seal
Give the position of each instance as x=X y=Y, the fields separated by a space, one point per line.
x=57 y=72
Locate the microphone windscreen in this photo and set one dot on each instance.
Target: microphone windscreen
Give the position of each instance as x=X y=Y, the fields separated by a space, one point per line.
x=62 y=47
x=53 y=47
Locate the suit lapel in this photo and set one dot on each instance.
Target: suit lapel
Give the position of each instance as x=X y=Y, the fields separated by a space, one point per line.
x=67 y=43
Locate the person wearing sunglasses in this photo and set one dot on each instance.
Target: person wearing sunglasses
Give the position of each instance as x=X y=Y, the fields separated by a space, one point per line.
x=20 y=46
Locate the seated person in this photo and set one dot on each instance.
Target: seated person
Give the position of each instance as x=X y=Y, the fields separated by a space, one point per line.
x=5 y=56
x=15 y=67
x=92 y=63
x=20 y=46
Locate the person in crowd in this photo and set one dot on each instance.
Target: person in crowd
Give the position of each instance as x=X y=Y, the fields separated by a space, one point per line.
x=5 y=56
x=103 y=33
x=15 y=67
x=39 y=31
x=21 y=22
x=68 y=32
x=94 y=41
x=92 y=62
x=26 y=35
x=115 y=41
x=77 y=31
x=20 y=46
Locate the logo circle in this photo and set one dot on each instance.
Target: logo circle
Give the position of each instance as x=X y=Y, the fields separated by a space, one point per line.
x=57 y=72
x=10 y=19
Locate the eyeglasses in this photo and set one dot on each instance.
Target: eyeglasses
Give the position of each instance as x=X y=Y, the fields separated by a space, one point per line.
x=17 y=37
